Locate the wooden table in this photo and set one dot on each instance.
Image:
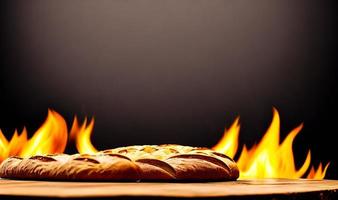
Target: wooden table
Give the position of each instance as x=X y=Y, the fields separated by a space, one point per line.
x=242 y=189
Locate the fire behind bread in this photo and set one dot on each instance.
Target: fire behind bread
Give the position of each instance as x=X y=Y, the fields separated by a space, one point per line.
x=131 y=163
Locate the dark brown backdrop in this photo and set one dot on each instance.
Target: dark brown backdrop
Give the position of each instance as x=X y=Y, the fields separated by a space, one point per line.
x=173 y=71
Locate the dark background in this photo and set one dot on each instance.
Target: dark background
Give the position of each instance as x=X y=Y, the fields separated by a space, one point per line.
x=173 y=71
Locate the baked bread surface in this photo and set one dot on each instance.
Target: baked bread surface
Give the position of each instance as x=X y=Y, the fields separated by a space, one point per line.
x=168 y=162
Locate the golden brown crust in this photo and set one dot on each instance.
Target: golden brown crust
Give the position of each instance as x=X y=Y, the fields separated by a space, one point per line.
x=132 y=163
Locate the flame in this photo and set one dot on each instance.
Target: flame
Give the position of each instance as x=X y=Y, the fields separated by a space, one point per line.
x=268 y=159
x=319 y=174
x=51 y=137
x=229 y=142
x=12 y=147
x=81 y=135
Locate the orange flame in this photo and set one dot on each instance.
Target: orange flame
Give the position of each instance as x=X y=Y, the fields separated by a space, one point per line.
x=51 y=137
x=13 y=147
x=81 y=135
x=229 y=142
x=268 y=159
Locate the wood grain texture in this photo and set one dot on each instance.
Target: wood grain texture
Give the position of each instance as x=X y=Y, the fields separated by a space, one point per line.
x=241 y=188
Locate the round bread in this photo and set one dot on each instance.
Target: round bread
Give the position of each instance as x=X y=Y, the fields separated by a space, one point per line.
x=132 y=163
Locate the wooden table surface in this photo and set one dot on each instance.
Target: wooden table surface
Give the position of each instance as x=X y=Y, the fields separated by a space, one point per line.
x=240 y=188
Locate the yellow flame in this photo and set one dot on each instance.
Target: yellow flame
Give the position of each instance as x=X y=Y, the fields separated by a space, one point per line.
x=229 y=142
x=81 y=135
x=14 y=146
x=319 y=174
x=51 y=137
x=3 y=147
x=268 y=159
